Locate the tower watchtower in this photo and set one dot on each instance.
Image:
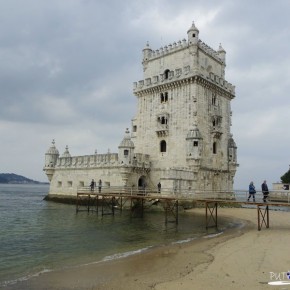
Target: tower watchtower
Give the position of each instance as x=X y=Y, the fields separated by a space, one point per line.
x=51 y=156
x=184 y=84
x=193 y=34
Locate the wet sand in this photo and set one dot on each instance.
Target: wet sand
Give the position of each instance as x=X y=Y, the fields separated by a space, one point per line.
x=239 y=258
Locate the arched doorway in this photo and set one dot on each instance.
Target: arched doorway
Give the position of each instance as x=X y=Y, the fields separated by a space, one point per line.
x=142 y=183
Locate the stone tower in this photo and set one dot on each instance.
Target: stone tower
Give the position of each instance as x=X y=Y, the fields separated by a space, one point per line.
x=183 y=117
x=180 y=136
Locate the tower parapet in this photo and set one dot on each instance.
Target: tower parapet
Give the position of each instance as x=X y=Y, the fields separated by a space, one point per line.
x=179 y=75
x=163 y=66
x=126 y=156
x=149 y=54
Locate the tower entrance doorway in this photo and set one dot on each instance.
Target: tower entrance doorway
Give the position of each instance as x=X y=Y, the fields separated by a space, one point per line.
x=142 y=183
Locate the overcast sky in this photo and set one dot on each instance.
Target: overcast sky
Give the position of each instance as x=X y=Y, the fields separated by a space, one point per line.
x=67 y=69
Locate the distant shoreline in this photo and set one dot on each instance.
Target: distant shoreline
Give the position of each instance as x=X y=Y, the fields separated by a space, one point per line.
x=28 y=183
x=12 y=178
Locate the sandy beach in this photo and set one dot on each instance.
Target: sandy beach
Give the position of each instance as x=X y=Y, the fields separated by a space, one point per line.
x=241 y=258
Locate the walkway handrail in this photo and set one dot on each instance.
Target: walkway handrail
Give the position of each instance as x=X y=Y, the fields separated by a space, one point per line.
x=189 y=194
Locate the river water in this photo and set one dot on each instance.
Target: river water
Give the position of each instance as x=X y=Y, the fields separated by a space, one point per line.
x=38 y=236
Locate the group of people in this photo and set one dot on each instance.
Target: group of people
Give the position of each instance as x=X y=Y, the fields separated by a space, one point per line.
x=252 y=191
x=93 y=184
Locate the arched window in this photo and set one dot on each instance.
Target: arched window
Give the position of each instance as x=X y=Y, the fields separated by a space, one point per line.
x=163 y=146
x=126 y=152
x=166 y=74
x=214 y=149
x=161 y=97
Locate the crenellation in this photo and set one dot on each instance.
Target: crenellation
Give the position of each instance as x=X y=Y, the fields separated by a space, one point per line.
x=183 y=75
x=181 y=45
x=210 y=51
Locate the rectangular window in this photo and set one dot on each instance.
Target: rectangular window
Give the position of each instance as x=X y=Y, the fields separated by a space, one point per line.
x=214 y=149
x=69 y=184
x=163 y=97
x=195 y=143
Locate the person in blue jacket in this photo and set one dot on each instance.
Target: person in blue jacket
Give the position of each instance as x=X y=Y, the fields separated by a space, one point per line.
x=265 y=190
x=252 y=191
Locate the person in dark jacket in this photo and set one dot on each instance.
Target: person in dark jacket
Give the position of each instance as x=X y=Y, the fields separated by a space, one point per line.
x=265 y=190
x=100 y=185
x=92 y=185
x=252 y=191
x=159 y=187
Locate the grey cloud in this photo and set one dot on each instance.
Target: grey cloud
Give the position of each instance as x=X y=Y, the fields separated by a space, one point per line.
x=67 y=69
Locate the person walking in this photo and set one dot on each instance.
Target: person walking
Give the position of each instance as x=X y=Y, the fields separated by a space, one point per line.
x=92 y=185
x=252 y=191
x=265 y=190
x=100 y=185
x=159 y=187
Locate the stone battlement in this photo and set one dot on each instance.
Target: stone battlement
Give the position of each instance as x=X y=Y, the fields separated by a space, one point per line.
x=180 y=45
x=100 y=160
x=179 y=74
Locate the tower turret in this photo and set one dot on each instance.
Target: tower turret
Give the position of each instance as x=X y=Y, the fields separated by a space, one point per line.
x=51 y=157
x=192 y=34
x=146 y=52
x=66 y=152
x=126 y=149
x=222 y=54
x=232 y=150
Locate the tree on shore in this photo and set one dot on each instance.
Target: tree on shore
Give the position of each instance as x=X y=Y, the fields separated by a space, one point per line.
x=286 y=177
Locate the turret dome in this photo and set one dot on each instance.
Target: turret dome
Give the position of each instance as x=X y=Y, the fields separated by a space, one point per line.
x=127 y=142
x=66 y=152
x=193 y=35
x=194 y=133
x=231 y=143
x=52 y=149
x=193 y=28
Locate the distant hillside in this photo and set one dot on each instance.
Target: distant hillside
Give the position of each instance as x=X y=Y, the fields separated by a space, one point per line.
x=12 y=178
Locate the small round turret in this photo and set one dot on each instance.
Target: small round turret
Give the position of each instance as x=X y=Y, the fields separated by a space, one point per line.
x=127 y=142
x=192 y=34
x=126 y=149
x=51 y=157
x=146 y=52
x=232 y=150
x=222 y=53
x=66 y=152
x=194 y=143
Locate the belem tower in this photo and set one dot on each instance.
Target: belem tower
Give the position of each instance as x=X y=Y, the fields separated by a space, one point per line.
x=180 y=136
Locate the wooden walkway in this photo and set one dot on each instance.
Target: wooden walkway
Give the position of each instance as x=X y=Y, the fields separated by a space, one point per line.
x=263 y=217
x=107 y=201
